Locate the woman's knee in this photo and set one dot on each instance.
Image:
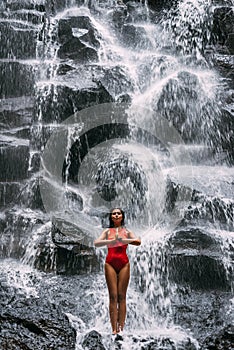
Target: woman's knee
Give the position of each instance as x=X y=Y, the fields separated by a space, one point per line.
x=121 y=298
x=113 y=298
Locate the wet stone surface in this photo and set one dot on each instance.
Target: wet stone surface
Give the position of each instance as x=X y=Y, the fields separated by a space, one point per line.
x=35 y=324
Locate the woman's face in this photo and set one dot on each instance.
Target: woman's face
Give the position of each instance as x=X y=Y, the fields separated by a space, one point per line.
x=116 y=217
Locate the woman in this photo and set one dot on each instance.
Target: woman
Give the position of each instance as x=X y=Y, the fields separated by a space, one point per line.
x=117 y=267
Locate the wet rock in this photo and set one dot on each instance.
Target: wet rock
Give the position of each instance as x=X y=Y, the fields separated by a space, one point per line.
x=14 y=5
x=211 y=210
x=10 y=156
x=35 y=323
x=205 y=203
x=230 y=43
x=75 y=261
x=78 y=38
x=30 y=16
x=196 y=261
x=221 y=340
x=161 y=342
x=64 y=69
x=76 y=50
x=225 y=66
x=182 y=103
x=63 y=101
x=120 y=16
x=8 y=192
x=153 y=67
x=35 y=162
x=93 y=341
x=18 y=225
x=202 y=312
x=137 y=12
x=135 y=37
x=17 y=79
x=16 y=112
x=30 y=196
x=222 y=24
x=122 y=170
x=161 y=4
x=39 y=136
x=116 y=81
x=22 y=38
x=227 y=126
x=73 y=254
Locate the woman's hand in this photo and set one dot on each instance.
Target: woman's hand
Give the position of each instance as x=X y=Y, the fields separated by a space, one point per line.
x=134 y=241
x=105 y=242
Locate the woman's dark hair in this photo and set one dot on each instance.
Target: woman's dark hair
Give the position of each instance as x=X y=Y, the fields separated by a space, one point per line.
x=110 y=217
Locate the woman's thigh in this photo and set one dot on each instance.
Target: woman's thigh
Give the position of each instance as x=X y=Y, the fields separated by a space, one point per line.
x=111 y=280
x=123 y=280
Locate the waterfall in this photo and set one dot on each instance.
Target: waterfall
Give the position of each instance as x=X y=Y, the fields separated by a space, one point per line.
x=128 y=111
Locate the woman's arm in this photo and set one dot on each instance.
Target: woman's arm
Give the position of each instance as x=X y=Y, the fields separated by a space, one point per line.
x=102 y=241
x=132 y=239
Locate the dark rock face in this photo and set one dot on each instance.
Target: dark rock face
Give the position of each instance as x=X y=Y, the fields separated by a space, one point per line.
x=222 y=340
x=34 y=323
x=17 y=79
x=70 y=100
x=187 y=117
x=93 y=341
x=203 y=312
x=161 y=5
x=135 y=37
x=120 y=169
x=223 y=25
x=78 y=39
x=198 y=271
x=22 y=38
x=9 y=157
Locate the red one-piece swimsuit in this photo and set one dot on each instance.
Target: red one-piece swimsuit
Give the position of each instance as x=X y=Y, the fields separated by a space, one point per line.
x=117 y=256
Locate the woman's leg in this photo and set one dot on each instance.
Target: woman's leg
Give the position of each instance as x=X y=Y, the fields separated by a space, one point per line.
x=123 y=279
x=111 y=280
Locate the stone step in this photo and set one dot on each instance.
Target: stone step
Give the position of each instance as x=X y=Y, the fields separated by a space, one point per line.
x=17 y=79
x=14 y=158
x=18 y=39
x=14 y=5
x=8 y=193
x=16 y=112
x=29 y=16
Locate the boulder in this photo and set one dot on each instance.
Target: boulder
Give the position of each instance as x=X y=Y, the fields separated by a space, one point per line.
x=135 y=36
x=116 y=81
x=230 y=43
x=206 y=313
x=183 y=102
x=160 y=5
x=35 y=323
x=76 y=50
x=93 y=341
x=18 y=226
x=223 y=24
x=78 y=39
x=63 y=101
x=224 y=339
x=196 y=260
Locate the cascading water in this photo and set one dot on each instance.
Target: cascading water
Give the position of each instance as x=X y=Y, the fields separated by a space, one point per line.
x=160 y=164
